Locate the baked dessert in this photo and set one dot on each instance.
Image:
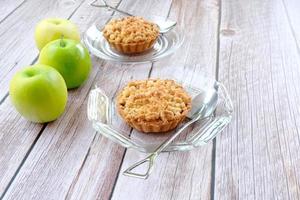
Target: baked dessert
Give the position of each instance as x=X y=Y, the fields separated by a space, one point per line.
x=153 y=105
x=130 y=35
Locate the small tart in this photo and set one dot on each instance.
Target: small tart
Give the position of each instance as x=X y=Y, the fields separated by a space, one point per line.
x=131 y=35
x=153 y=105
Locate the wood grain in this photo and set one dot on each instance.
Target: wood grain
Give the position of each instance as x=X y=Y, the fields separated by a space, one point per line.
x=100 y=186
x=291 y=8
x=17 y=136
x=68 y=144
x=257 y=157
x=69 y=158
x=180 y=175
x=66 y=128
x=257 y=57
x=7 y=7
x=98 y=174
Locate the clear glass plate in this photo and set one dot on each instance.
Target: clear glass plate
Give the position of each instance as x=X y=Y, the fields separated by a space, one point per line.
x=106 y=120
x=165 y=45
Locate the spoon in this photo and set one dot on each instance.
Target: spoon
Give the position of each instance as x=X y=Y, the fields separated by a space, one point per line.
x=164 y=26
x=203 y=106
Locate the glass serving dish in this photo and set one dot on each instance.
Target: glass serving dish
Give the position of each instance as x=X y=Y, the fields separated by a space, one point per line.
x=165 y=45
x=106 y=120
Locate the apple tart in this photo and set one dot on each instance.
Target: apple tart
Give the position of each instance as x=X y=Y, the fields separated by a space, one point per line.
x=153 y=105
x=131 y=35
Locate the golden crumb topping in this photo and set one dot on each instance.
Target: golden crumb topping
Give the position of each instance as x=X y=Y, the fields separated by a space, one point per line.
x=153 y=100
x=130 y=30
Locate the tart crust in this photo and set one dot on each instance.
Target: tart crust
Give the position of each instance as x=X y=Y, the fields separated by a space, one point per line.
x=153 y=105
x=130 y=35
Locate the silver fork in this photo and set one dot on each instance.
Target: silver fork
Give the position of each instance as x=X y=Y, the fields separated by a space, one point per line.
x=164 y=26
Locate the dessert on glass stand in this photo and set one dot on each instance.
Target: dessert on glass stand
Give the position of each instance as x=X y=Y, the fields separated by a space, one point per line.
x=131 y=35
x=153 y=105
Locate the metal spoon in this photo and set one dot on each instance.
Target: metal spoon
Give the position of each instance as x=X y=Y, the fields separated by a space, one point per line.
x=203 y=105
x=164 y=26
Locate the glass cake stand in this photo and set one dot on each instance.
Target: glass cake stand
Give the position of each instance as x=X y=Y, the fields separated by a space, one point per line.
x=165 y=45
x=106 y=121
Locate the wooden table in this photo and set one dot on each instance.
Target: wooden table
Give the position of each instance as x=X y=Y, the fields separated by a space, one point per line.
x=250 y=46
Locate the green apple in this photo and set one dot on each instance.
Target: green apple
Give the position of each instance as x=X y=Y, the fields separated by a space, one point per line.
x=70 y=58
x=39 y=93
x=51 y=29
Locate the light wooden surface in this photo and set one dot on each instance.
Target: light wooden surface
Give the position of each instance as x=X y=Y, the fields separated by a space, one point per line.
x=257 y=156
x=250 y=46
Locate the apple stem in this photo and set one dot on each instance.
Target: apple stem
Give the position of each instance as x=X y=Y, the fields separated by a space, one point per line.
x=62 y=42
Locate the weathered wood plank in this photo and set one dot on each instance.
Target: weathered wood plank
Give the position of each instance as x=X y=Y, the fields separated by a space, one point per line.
x=101 y=184
x=180 y=175
x=67 y=141
x=7 y=7
x=17 y=135
x=16 y=35
x=98 y=174
x=69 y=159
x=257 y=157
x=293 y=17
x=73 y=100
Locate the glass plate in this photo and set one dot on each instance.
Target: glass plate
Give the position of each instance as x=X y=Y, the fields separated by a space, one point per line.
x=106 y=120
x=165 y=45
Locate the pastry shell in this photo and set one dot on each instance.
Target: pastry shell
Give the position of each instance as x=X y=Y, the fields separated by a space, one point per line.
x=155 y=126
x=131 y=35
x=132 y=48
x=148 y=105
